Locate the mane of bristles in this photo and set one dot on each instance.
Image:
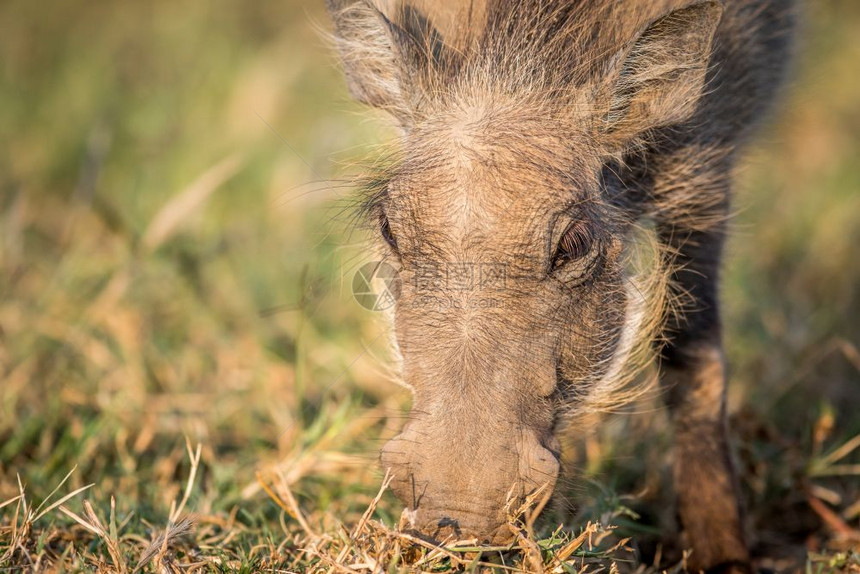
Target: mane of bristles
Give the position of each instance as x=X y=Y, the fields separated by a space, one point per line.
x=545 y=49
x=623 y=377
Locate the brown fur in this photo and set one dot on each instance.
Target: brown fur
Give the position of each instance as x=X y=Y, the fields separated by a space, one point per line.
x=531 y=125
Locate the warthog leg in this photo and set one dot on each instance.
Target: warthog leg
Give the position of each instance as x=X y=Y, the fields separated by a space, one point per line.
x=693 y=375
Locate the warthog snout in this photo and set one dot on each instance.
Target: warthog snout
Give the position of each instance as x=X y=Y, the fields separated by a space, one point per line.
x=480 y=437
x=462 y=487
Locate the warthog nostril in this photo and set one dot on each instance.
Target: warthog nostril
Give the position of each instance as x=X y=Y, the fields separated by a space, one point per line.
x=447 y=527
x=445 y=521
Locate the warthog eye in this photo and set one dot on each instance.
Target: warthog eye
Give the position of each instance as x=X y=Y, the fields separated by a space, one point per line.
x=385 y=229
x=576 y=242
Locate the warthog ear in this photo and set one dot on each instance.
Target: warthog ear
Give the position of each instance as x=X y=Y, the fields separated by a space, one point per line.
x=661 y=75
x=385 y=56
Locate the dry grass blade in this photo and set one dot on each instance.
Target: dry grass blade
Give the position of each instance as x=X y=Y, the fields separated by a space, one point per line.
x=22 y=496
x=435 y=551
x=852 y=511
x=831 y=520
x=17 y=532
x=62 y=500
x=179 y=208
x=334 y=566
x=10 y=501
x=83 y=522
x=532 y=559
x=290 y=506
x=53 y=492
x=194 y=456
x=534 y=510
x=93 y=523
x=371 y=508
x=529 y=511
x=159 y=545
x=842 y=451
x=176 y=527
x=568 y=549
x=838 y=470
x=284 y=488
x=22 y=530
x=112 y=543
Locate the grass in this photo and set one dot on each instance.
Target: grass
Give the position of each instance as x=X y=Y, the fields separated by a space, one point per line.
x=186 y=383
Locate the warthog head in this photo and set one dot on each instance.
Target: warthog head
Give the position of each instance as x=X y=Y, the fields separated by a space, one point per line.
x=504 y=213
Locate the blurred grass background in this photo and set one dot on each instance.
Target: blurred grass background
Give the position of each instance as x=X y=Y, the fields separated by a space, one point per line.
x=175 y=262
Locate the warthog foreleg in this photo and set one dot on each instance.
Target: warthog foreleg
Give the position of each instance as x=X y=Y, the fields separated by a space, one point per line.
x=693 y=375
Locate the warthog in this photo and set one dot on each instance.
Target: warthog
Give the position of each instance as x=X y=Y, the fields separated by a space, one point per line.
x=542 y=140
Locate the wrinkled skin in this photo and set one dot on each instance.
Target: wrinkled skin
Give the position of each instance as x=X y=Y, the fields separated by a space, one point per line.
x=535 y=136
